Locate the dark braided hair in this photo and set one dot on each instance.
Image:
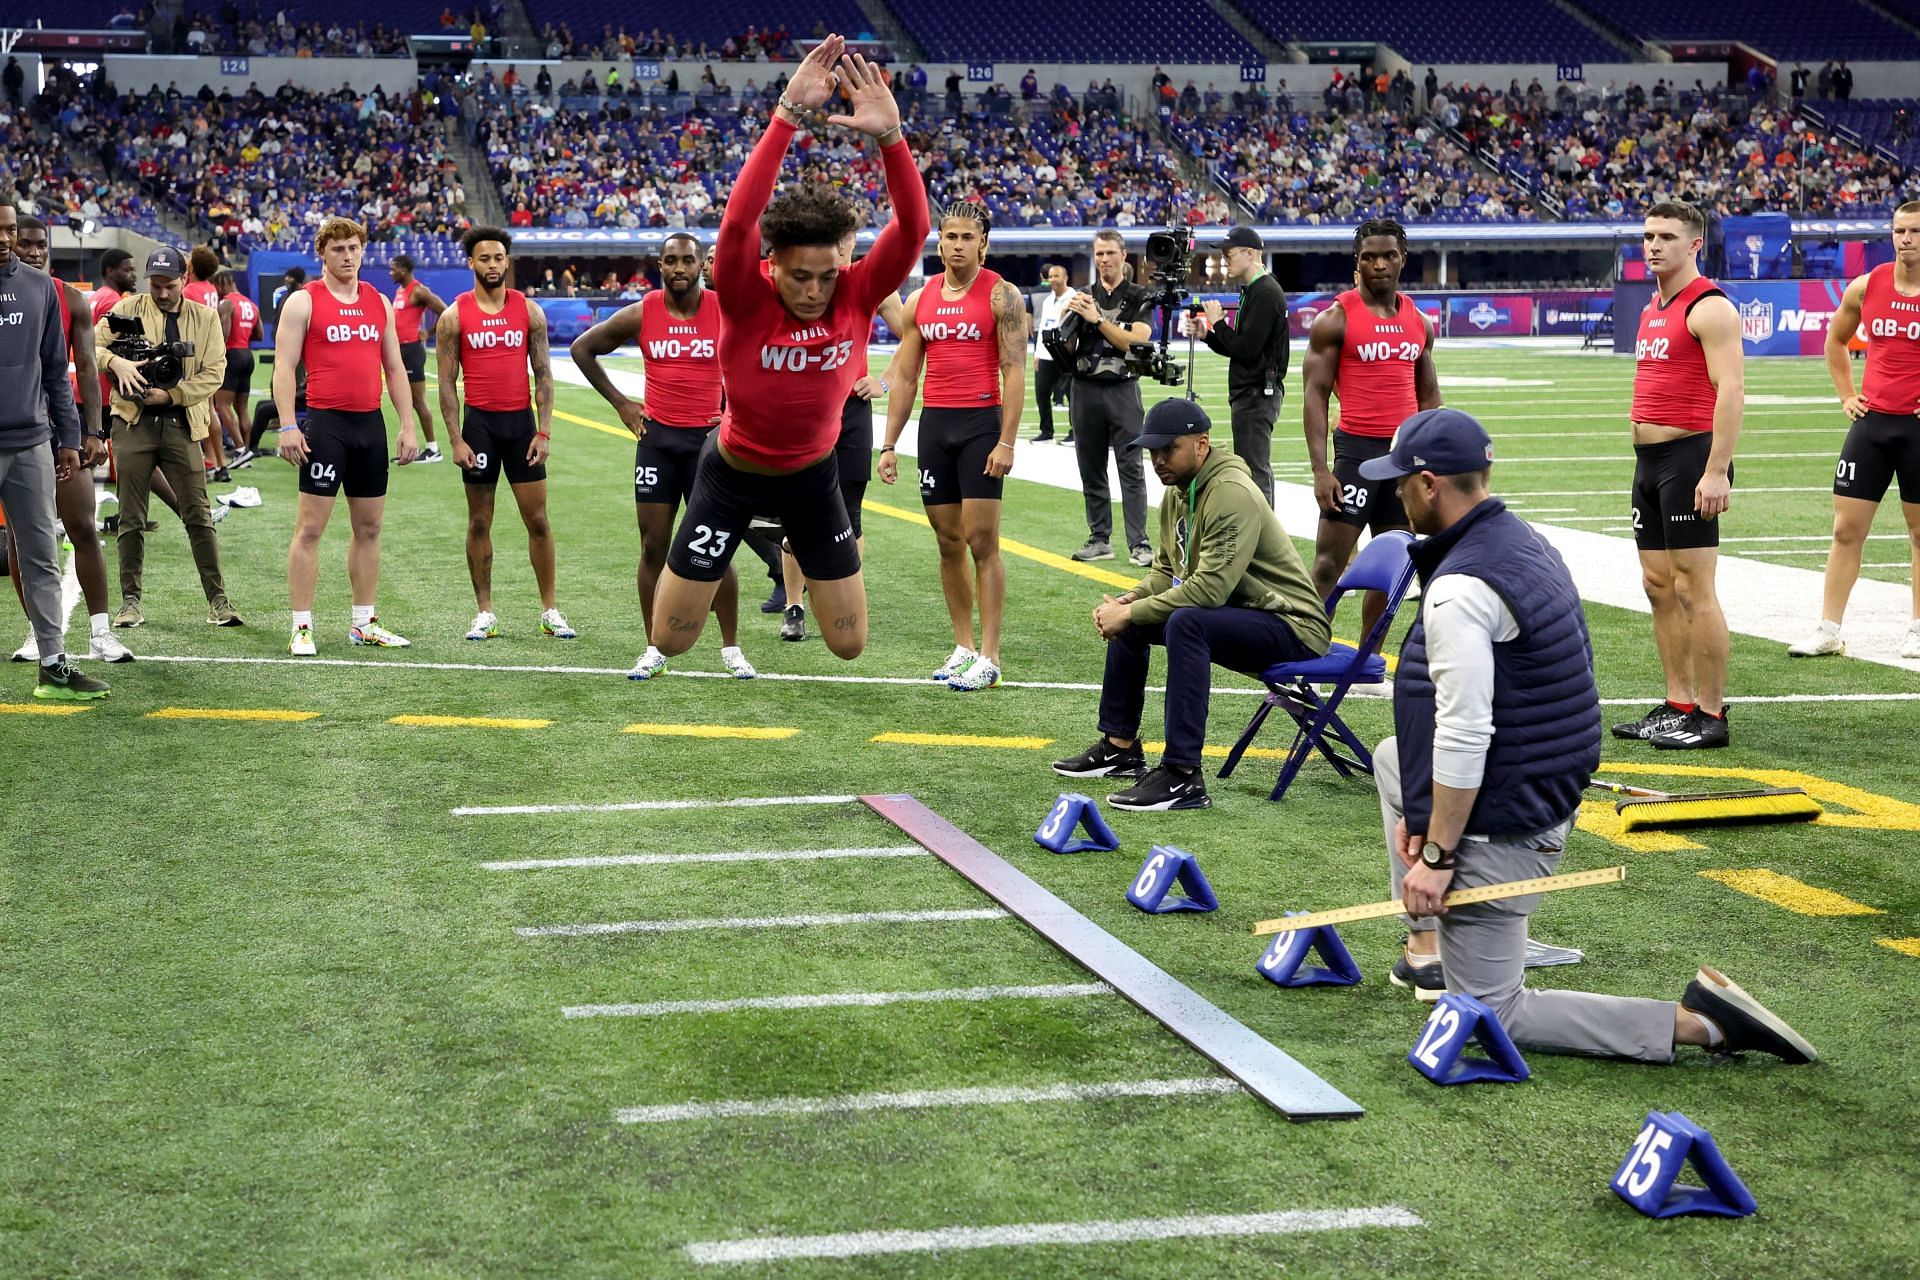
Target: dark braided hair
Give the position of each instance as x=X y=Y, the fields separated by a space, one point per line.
x=972 y=209
x=1379 y=227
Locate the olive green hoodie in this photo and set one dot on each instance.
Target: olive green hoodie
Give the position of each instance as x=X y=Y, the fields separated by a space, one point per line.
x=1232 y=553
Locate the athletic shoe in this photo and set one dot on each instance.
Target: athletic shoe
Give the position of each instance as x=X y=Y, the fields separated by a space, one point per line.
x=1141 y=555
x=106 y=647
x=219 y=512
x=1659 y=720
x=129 y=614
x=64 y=682
x=957 y=661
x=371 y=632
x=301 y=645
x=777 y=602
x=1697 y=732
x=220 y=475
x=1040 y=439
x=28 y=652
x=648 y=665
x=220 y=613
x=1094 y=549
x=1374 y=689
x=1164 y=789
x=1745 y=1022
x=1104 y=760
x=794 y=625
x=485 y=626
x=554 y=623
x=244 y=458
x=1425 y=978
x=736 y=663
x=981 y=673
x=1911 y=648
x=1820 y=642
x=1066 y=439
x=431 y=454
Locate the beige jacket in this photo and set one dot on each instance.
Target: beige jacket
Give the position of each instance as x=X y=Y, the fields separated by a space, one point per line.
x=206 y=369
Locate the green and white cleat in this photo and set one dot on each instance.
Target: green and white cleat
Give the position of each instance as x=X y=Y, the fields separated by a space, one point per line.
x=648 y=665
x=371 y=632
x=982 y=673
x=956 y=662
x=301 y=645
x=554 y=623
x=485 y=626
x=736 y=663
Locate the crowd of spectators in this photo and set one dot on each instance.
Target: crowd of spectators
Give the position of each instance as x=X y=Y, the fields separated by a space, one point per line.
x=754 y=44
x=38 y=168
x=224 y=29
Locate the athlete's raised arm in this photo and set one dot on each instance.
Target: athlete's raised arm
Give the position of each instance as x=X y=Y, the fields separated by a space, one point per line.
x=897 y=248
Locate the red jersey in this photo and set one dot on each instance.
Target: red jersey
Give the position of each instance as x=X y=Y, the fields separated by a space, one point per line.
x=246 y=321
x=963 y=345
x=682 y=361
x=66 y=313
x=202 y=292
x=787 y=379
x=1890 y=323
x=343 y=348
x=406 y=313
x=1670 y=383
x=1375 y=380
x=493 y=353
x=103 y=300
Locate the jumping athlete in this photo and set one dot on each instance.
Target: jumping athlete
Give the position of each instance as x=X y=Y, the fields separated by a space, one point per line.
x=491 y=338
x=678 y=329
x=1689 y=385
x=1884 y=441
x=411 y=302
x=342 y=330
x=970 y=330
x=240 y=322
x=792 y=344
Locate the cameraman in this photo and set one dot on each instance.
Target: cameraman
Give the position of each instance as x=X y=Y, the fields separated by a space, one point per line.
x=1103 y=407
x=1256 y=345
x=163 y=426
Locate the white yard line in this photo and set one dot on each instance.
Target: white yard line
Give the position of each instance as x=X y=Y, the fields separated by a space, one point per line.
x=841 y=1000
x=758 y=922
x=673 y=859
x=925 y=1099
x=631 y=806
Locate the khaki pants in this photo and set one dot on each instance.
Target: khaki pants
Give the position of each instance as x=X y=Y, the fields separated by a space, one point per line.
x=137 y=449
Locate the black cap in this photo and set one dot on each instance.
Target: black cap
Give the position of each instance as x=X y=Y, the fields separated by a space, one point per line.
x=1447 y=442
x=166 y=262
x=1171 y=419
x=1243 y=238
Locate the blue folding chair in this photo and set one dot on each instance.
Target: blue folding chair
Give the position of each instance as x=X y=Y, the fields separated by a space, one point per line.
x=1382 y=565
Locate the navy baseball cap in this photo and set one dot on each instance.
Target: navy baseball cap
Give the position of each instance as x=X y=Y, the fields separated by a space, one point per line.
x=1447 y=442
x=166 y=262
x=1171 y=419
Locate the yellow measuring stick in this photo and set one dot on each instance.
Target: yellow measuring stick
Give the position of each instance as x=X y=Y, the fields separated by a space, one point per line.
x=1460 y=898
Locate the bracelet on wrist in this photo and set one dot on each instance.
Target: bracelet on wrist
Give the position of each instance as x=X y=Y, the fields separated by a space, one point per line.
x=887 y=448
x=1003 y=444
x=789 y=107
x=544 y=435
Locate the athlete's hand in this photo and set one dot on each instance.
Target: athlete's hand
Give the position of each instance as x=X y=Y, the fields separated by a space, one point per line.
x=1422 y=888
x=999 y=460
x=293 y=445
x=633 y=416
x=889 y=467
x=537 y=451
x=1326 y=491
x=1712 y=495
x=870 y=387
x=65 y=463
x=408 y=448
x=874 y=110
x=1855 y=405
x=462 y=453
x=812 y=81
x=95 y=452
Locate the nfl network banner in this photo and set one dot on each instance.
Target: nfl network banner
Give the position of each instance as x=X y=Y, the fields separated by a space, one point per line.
x=1784 y=317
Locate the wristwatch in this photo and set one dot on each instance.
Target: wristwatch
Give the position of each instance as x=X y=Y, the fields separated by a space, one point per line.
x=1436 y=856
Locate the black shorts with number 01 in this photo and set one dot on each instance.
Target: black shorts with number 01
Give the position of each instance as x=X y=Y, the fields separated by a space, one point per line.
x=345 y=450
x=413 y=355
x=1364 y=503
x=500 y=440
x=664 y=460
x=853 y=456
x=239 y=377
x=1880 y=447
x=725 y=500
x=1664 y=479
x=954 y=447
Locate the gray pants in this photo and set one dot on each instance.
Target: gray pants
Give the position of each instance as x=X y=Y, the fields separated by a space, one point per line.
x=26 y=491
x=1106 y=417
x=1254 y=413
x=137 y=448
x=1483 y=947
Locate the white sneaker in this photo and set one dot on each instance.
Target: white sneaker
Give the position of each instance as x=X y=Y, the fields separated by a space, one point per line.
x=982 y=673
x=371 y=632
x=219 y=512
x=1822 y=640
x=106 y=647
x=554 y=623
x=28 y=652
x=485 y=626
x=736 y=663
x=1377 y=689
x=1911 y=649
x=301 y=645
x=956 y=662
x=648 y=665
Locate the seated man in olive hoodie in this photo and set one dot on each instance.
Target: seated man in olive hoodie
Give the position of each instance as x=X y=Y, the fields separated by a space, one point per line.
x=1226 y=586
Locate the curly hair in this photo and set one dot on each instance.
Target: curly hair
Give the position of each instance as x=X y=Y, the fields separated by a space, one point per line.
x=477 y=236
x=202 y=263
x=1379 y=227
x=813 y=213
x=337 y=228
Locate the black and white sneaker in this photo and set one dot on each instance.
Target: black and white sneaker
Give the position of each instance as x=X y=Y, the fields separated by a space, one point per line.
x=1426 y=980
x=1164 y=788
x=1745 y=1022
x=793 y=624
x=1661 y=718
x=1104 y=760
x=1696 y=731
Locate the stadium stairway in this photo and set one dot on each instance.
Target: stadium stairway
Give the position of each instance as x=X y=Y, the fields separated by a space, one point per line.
x=478 y=181
x=1634 y=48
x=1270 y=49
x=890 y=29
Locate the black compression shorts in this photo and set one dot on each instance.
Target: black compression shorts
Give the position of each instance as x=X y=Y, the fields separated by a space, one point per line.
x=1880 y=447
x=500 y=442
x=954 y=447
x=725 y=500
x=663 y=462
x=1364 y=503
x=1664 y=478
x=345 y=450
x=853 y=456
x=239 y=378
x=413 y=355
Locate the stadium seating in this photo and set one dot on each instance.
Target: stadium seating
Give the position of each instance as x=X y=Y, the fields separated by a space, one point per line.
x=1843 y=29
x=696 y=20
x=1457 y=31
x=1877 y=122
x=1074 y=31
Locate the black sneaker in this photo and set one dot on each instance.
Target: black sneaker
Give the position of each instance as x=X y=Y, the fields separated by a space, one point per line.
x=794 y=627
x=1745 y=1022
x=1042 y=438
x=1164 y=789
x=1661 y=718
x=777 y=602
x=1426 y=980
x=220 y=475
x=64 y=682
x=1104 y=760
x=1696 y=731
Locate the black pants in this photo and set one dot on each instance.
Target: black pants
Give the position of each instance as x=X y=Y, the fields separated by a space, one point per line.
x=1050 y=385
x=1254 y=414
x=1106 y=417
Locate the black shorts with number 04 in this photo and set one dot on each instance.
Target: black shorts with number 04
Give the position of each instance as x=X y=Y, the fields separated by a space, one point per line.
x=345 y=450
x=664 y=460
x=413 y=355
x=500 y=442
x=239 y=376
x=954 y=447
x=853 y=456
x=1880 y=447
x=1364 y=503
x=1664 y=479
x=807 y=503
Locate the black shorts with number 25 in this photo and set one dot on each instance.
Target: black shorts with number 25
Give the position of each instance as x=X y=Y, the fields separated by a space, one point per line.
x=345 y=450
x=500 y=440
x=664 y=460
x=807 y=503
x=1364 y=503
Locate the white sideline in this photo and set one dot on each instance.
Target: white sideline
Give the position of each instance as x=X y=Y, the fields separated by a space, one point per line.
x=855 y=1244
x=671 y=859
x=840 y=1000
x=758 y=922
x=668 y=1113
x=629 y=806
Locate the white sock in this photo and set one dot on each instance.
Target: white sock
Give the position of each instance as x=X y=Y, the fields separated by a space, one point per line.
x=100 y=623
x=1715 y=1036
x=303 y=617
x=1829 y=626
x=53 y=661
x=362 y=614
x=653 y=654
x=731 y=651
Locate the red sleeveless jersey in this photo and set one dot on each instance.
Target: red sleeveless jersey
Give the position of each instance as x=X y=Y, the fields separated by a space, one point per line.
x=406 y=315
x=963 y=347
x=202 y=292
x=66 y=331
x=1670 y=383
x=246 y=321
x=342 y=350
x=493 y=353
x=1375 y=381
x=682 y=360
x=1890 y=323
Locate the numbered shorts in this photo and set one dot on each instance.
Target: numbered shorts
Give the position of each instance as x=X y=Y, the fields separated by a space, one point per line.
x=500 y=440
x=239 y=377
x=413 y=355
x=1879 y=448
x=345 y=450
x=954 y=447
x=853 y=456
x=725 y=500
x=1664 y=478
x=1364 y=503
x=664 y=461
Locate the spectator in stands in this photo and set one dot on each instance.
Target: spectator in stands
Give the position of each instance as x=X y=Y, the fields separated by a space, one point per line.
x=1797 y=83
x=1029 y=86
x=1823 y=83
x=1843 y=82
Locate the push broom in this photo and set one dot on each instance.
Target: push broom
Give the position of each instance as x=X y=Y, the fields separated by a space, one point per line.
x=1643 y=807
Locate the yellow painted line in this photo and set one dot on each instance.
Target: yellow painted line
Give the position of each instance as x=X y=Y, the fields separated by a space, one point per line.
x=1871 y=811
x=1785 y=891
x=575 y=418
x=42 y=709
x=469 y=722
x=1599 y=818
x=231 y=713
x=962 y=740
x=1905 y=946
x=711 y=731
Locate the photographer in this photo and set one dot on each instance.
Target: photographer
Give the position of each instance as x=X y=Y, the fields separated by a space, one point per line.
x=1103 y=408
x=162 y=409
x=1256 y=345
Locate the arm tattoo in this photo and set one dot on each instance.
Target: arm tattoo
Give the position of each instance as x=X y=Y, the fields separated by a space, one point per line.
x=446 y=333
x=541 y=359
x=1010 y=321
